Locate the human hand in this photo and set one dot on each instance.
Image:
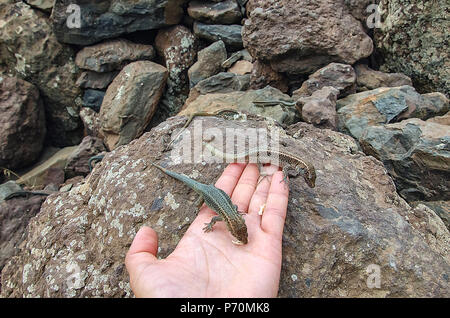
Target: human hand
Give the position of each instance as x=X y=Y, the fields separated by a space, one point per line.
x=209 y=264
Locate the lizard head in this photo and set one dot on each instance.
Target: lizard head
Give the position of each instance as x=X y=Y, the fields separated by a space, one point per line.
x=240 y=231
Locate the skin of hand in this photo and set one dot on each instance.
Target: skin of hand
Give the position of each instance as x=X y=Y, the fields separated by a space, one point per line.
x=209 y=264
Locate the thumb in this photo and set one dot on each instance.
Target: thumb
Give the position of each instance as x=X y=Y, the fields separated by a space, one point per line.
x=142 y=251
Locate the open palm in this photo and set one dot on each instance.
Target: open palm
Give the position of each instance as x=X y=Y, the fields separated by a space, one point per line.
x=209 y=264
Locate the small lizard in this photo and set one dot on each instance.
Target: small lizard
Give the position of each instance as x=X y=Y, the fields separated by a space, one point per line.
x=94 y=159
x=191 y=118
x=291 y=165
x=261 y=103
x=24 y=193
x=217 y=200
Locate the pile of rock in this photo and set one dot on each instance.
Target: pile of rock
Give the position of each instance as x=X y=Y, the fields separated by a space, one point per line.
x=79 y=79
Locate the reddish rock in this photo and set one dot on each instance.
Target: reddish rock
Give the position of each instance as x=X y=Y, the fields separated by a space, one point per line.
x=209 y=62
x=22 y=123
x=319 y=109
x=130 y=102
x=301 y=36
x=368 y=79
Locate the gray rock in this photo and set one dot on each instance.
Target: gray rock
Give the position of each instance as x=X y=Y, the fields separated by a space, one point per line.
x=93 y=99
x=7 y=188
x=385 y=105
x=110 y=19
x=335 y=233
x=130 y=102
x=441 y=208
x=242 y=101
x=224 y=12
x=229 y=34
x=416 y=154
x=209 y=62
x=413 y=40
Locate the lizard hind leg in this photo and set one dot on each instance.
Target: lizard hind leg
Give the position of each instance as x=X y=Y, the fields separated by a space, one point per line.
x=209 y=226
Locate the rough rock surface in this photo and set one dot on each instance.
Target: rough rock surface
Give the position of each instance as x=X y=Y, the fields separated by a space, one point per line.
x=77 y=163
x=340 y=76
x=22 y=123
x=368 y=79
x=319 y=109
x=241 y=67
x=441 y=208
x=110 y=19
x=45 y=5
x=229 y=34
x=299 y=37
x=34 y=54
x=14 y=217
x=350 y=222
x=242 y=101
x=416 y=154
x=7 y=188
x=131 y=101
x=177 y=46
x=112 y=55
x=413 y=40
x=224 y=12
x=91 y=121
x=386 y=105
x=209 y=62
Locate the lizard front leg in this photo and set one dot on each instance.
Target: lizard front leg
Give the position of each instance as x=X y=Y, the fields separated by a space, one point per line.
x=209 y=226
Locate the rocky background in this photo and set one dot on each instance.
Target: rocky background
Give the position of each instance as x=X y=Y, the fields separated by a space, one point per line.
x=368 y=105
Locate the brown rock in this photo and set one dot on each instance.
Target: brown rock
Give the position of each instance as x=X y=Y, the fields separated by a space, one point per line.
x=299 y=37
x=112 y=55
x=30 y=50
x=319 y=109
x=22 y=123
x=352 y=222
x=442 y=120
x=263 y=75
x=340 y=76
x=368 y=79
x=77 y=163
x=130 y=102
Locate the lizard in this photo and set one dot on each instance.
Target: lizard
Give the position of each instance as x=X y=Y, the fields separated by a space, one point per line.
x=292 y=165
x=24 y=193
x=94 y=159
x=217 y=200
x=197 y=114
x=261 y=103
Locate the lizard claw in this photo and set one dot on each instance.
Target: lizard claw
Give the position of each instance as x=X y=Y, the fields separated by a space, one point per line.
x=208 y=228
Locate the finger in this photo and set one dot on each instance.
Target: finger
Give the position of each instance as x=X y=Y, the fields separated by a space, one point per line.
x=245 y=187
x=230 y=177
x=261 y=193
x=227 y=182
x=143 y=250
x=277 y=200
